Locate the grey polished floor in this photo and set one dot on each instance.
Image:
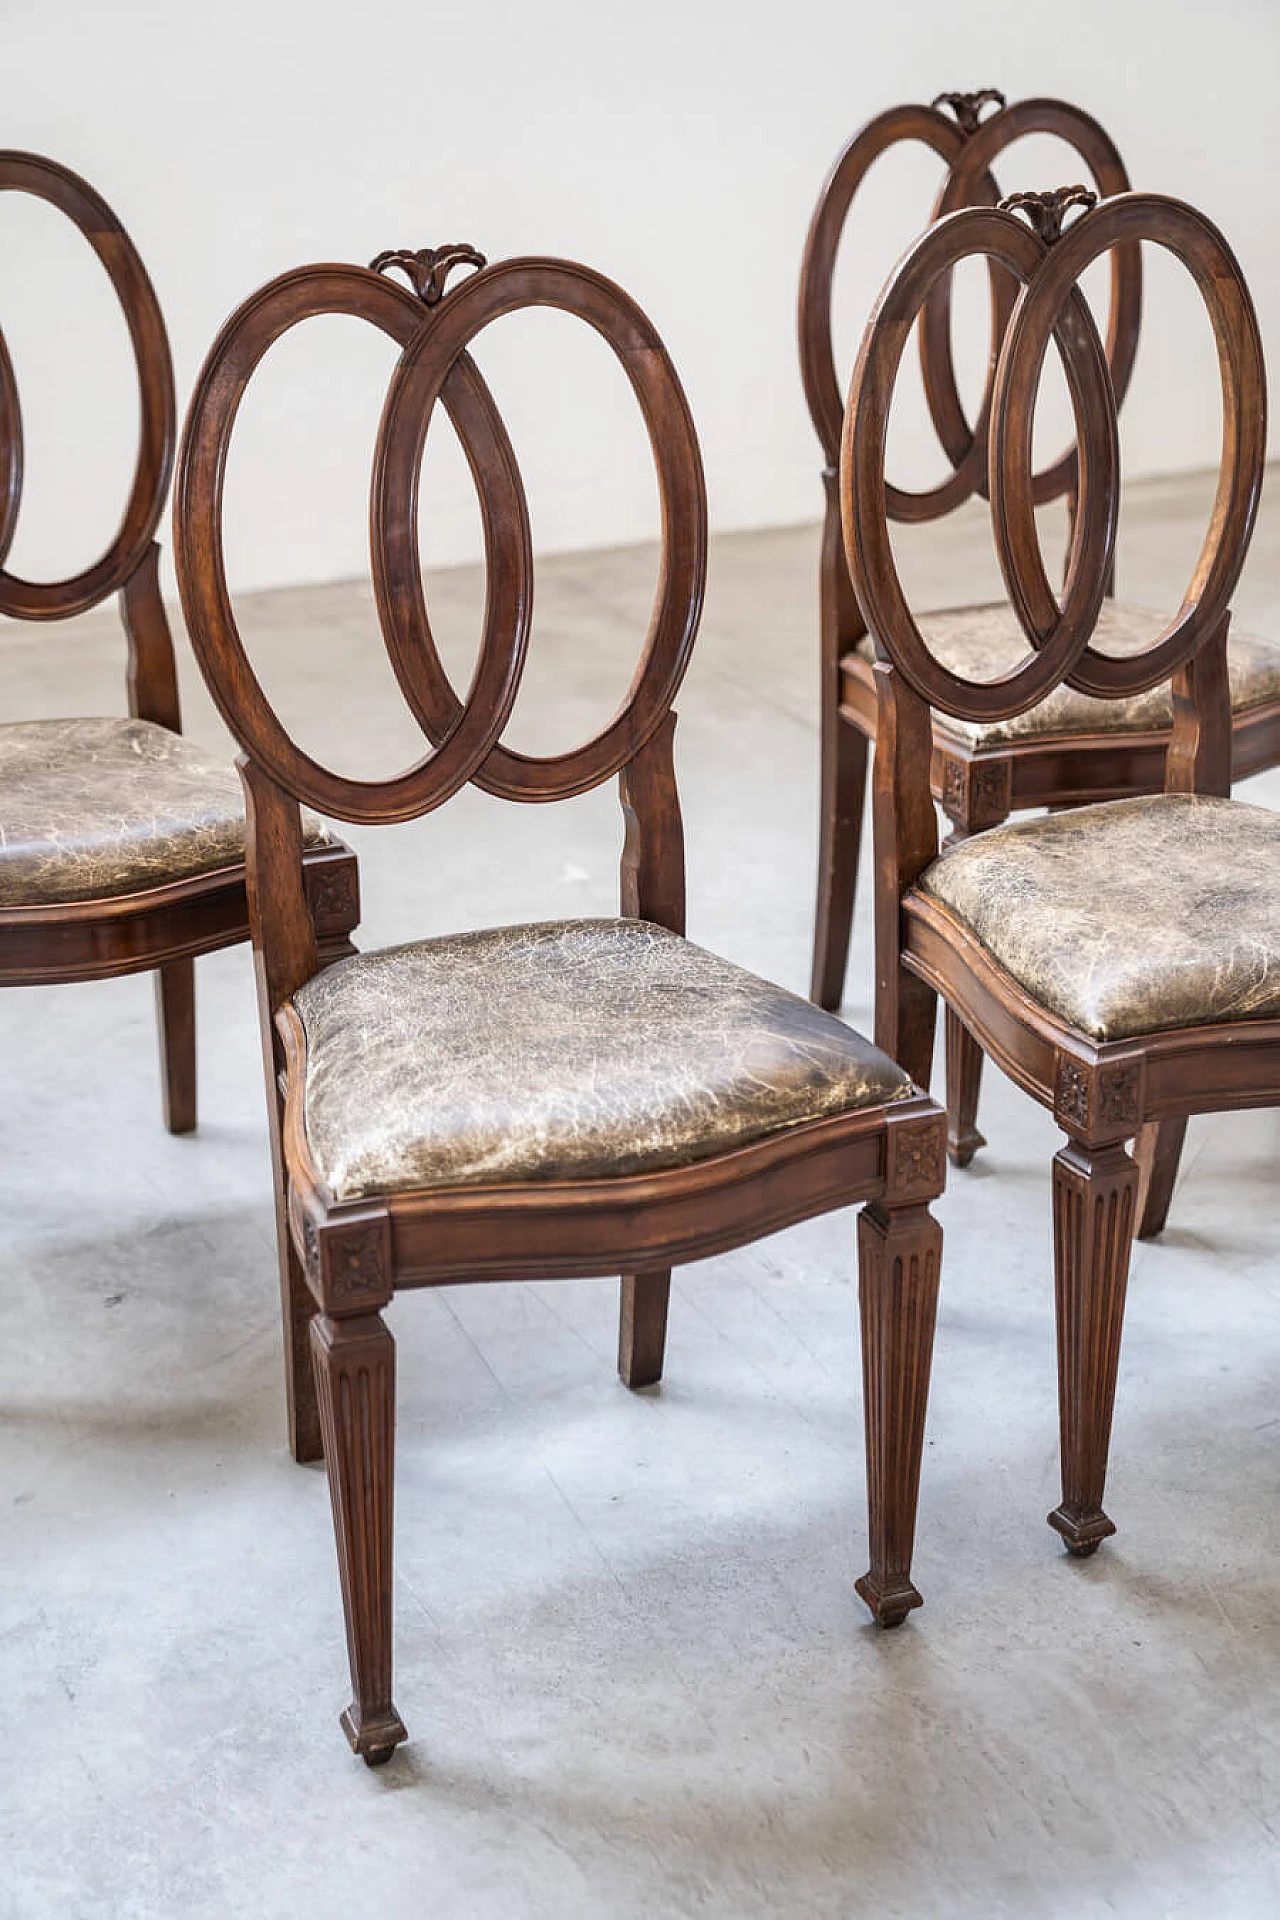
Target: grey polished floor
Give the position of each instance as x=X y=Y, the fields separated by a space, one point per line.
x=636 y=1675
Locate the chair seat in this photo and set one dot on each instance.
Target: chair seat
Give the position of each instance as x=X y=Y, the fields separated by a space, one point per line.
x=1130 y=917
x=98 y=808
x=982 y=642
x=568 y=1050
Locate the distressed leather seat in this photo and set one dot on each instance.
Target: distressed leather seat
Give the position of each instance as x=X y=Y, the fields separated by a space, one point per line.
x=562 y=1050
x=93 y=809
x=1132 y=916
x=983 y=642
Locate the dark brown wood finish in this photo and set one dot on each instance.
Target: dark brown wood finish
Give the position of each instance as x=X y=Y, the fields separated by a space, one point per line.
x=1102 y=1094
x=343 y=1261
x=976 y=786
x=161 y=928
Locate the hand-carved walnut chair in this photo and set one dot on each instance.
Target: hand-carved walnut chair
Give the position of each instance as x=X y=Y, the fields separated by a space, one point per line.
x=1069 y=748
x=571 y=1098
x=1120 y=961
x=121 y=843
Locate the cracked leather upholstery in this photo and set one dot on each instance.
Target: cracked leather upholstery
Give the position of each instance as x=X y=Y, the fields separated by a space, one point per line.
x=573 y=1049
x=1132 y=916
x=981 y=642
x=97 y=808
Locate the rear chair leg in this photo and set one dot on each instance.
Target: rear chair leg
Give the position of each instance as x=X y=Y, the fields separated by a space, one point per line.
x=899 y=1255
x=843 y=796
x=642 y=1327
x=298 y=1310
x=964 y=1081
x=176 y=1021
x=1158 y=1152
x=355 y=1363
x=1094 y=1194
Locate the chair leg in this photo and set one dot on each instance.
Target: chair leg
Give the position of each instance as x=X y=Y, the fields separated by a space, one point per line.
x=298 y=1311
x=176 y=1021
x=843 y=794
x=899 y=1255
x=642 y=1327
x=964 y=1082
x=355 y=1363
x=1094 y=1194
x=1158 y=1152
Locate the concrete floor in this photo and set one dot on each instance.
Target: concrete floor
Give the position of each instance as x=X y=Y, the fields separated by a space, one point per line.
x=636 y=1675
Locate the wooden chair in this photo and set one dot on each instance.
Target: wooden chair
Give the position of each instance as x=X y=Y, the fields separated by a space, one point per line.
x=1066 y=750
x=1120 y=961
x=121 y=843
x=579 y=1097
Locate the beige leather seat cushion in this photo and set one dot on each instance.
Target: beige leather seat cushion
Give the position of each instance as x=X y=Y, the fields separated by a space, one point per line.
x=569 y=1050
x=982 y=642
x=1132 y=916
x=93 y=809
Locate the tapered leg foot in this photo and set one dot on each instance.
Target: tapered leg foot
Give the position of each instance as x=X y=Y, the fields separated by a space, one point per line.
x=1082 y=1534
x=374 y=1740
x=1158 y=1152
x=844 y=786
x=1094 y=1194
x=899 y=1257
x=964 y=1082
x=355 y=1381
x=176 y=1021
x=642 y=1327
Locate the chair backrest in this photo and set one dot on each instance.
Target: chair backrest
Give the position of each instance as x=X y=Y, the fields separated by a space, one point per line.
x=434 y=328
x=131 y=547
x=1191 y=648
x=954 y=128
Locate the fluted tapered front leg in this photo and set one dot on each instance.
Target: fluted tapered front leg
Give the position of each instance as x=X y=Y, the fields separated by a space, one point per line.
x=355 y=1363
x=899 y=1257
x=1094 y=1194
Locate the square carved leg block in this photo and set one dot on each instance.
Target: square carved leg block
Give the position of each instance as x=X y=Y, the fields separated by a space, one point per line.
x=1083 y=1533
x=890 y=1602
x=376 y=1740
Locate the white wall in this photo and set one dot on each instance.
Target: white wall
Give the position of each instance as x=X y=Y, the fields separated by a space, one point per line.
x=678 y=147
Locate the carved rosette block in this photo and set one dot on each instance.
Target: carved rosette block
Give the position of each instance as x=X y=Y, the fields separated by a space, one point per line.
x=1094 y=1194
x=899 y=1256
x=976 y=794
x=1102 y=1101
x=348 y=1260
x=915 y=1157
x=333 y=895
x=355 y=1380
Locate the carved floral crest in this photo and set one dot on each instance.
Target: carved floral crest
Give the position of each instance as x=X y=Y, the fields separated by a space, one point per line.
x=429 y=268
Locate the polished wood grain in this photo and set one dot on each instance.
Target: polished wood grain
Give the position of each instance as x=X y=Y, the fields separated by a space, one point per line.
x=1102 y=1094
x=162 y=928
x=343 y=1261
x=977 y=786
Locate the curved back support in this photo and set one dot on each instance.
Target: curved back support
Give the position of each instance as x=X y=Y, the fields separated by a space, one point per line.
x=435 y=366
x=130 y=550
x=1050 y=263
x=434 y=329
x=1193 y=644
x=969 y=145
